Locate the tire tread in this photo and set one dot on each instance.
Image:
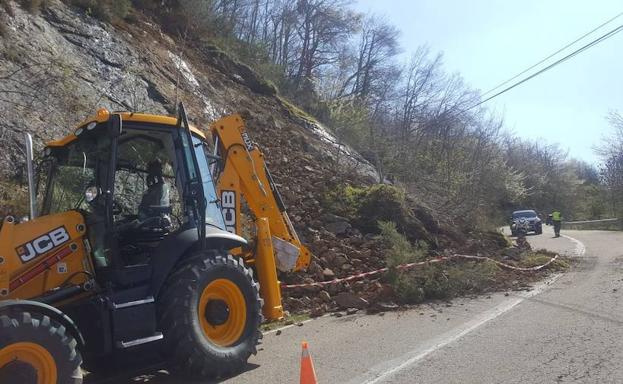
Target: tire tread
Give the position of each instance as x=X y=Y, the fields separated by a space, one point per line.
x=175 y=305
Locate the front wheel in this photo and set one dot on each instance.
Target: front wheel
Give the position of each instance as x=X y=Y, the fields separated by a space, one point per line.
x=210 y=314
x=36 y=349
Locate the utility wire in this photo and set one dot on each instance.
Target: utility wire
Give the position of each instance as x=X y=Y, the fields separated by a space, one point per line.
x=569 y=56
x=553 y=54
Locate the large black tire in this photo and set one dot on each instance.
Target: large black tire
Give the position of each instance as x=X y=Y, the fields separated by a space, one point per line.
x=45 y=332
x=189 y=350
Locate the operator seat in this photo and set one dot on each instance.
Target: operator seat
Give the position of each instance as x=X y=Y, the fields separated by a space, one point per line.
x=155 y=201
x=152 y=222
x=155 y=206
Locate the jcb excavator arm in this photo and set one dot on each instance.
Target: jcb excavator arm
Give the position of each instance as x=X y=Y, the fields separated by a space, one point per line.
x=244 y=175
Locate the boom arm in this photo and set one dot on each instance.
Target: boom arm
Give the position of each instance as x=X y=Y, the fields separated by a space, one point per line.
x=245 y=175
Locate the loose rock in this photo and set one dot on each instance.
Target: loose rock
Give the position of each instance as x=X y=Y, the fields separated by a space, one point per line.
x=350 y=300
x=328 y=274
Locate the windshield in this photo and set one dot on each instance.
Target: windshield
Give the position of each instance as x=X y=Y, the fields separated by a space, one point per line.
x=65 y=175
x=214 y=215
x=526 y=214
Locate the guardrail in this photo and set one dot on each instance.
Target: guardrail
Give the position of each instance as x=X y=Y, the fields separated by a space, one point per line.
x=614 y=224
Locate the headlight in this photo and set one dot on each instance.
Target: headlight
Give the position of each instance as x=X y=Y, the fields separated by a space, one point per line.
x=90 y=194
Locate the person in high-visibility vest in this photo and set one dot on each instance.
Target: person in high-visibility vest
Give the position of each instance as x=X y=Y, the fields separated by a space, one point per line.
x=557 y=220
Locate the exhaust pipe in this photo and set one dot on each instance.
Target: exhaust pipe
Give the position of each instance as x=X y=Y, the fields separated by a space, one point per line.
x=31 y=177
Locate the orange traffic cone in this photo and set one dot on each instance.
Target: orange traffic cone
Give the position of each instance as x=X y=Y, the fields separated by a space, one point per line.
x=308 y=375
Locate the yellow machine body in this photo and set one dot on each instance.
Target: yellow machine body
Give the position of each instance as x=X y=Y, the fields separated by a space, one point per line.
x=245 y=177
x=43 y=254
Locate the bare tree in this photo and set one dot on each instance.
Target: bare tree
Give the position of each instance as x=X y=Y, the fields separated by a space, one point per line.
x=377 y=47
x=323 y=26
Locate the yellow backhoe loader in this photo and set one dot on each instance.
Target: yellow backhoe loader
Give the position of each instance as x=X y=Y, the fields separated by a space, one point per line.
x=132 y=241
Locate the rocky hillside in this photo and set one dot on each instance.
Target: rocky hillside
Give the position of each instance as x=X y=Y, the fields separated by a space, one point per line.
x=60 y=65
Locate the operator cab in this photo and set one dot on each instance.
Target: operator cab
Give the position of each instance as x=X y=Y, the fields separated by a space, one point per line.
x=147 y=165
x=146 y=200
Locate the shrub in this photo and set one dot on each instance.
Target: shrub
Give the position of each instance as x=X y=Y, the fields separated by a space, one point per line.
x=383 y=203
x=432 y=281
x=437 y=281
x=399 y=249
x=367 y=206
x=407 y=291
x=473 y=277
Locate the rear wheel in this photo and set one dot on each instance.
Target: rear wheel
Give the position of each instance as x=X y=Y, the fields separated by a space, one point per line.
x=35 y=349
x=210 y=313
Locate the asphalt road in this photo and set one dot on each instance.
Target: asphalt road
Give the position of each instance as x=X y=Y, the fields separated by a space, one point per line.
x=567 y=329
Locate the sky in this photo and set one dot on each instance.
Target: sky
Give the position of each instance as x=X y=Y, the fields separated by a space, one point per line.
x=489 y=41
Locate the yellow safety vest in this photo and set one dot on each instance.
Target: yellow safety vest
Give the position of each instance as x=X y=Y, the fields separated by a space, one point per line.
x=556 y=216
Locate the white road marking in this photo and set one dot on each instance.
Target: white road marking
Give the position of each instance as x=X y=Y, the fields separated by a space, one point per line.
x=455 y=334
x=580 y=249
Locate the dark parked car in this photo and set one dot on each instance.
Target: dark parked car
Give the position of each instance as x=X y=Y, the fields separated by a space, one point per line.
x=534 y=223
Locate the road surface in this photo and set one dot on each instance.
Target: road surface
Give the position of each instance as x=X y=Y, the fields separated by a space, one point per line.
x=567 y=329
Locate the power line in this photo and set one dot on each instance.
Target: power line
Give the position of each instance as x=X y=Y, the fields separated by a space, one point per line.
x=553 y=54
x=569 y=56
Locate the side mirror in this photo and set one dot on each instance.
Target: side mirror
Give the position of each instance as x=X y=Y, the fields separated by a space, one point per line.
x=115 y=125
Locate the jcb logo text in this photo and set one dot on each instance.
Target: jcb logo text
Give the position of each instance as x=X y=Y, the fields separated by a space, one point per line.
x=42 y=244
x=228 y=205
